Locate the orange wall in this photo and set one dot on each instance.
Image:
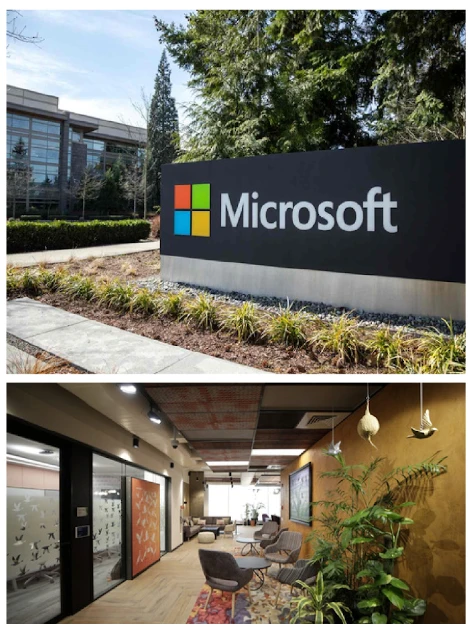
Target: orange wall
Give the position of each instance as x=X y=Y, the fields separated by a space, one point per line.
x=434 y=560
x=30 y=477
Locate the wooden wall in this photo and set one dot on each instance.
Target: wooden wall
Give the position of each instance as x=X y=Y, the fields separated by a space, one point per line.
x=434 y=560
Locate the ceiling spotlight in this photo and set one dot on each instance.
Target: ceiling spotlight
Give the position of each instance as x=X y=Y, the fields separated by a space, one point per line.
x=153 y=415
x=128 y=388
x=230 y=473
x=136 y=442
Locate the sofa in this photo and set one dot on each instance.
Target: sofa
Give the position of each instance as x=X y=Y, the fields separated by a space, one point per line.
x=192 y=525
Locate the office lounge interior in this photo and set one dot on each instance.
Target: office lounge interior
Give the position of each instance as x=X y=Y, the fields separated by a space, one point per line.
x=173 y=503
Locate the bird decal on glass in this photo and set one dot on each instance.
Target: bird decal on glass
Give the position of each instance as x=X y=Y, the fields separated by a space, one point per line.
x=425 y=430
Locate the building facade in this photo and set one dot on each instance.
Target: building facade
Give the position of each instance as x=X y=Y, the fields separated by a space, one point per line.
x=48 y=147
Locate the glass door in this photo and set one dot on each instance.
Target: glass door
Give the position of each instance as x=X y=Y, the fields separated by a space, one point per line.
x=108 y=515
x=33 y=531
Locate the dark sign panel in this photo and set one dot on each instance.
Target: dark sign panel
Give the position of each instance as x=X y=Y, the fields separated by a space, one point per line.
x=387 y=211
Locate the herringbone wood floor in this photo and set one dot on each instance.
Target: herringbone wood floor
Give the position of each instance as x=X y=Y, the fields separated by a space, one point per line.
x=165 y=593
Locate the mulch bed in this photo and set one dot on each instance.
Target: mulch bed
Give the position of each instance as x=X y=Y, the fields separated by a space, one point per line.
x=274 y=358
x=126 y=267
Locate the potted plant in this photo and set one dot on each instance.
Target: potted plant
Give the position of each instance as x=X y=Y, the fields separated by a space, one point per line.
x=255 y=511
x=360 y=534
x=317 y=604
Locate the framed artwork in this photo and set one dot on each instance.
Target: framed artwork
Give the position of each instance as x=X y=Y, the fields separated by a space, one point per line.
x=300 y=495
x=145 y=524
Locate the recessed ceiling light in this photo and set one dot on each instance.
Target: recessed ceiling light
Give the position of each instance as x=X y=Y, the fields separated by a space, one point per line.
x=227 y=463
x=153 y=415
x=265 y=452
x=128 y=388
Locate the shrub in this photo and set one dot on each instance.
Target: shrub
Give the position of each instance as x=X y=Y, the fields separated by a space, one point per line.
x=115 y=295
x=203 y=311
x=389 y=347
x=288 y=327
x=245 y=321
x=80 y=287
x=13 y=279
x=443 y=354
x=52 y=280
x=341 y=337
x=145 y=302
x=171 y=304
x=28 y=236
x=30 y=283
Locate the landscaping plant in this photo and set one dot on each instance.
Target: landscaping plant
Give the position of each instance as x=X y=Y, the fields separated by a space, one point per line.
x=288 y=327
x=203 y=312
x=244 y=321
x=361 y=532
x=341 y=337
x=30 y=236
x=444 y=354
x=389 y=347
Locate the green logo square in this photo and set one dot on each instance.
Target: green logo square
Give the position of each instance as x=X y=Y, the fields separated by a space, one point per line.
x=200 y=196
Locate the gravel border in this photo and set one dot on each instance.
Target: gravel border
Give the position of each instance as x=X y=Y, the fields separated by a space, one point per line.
x=408 y=323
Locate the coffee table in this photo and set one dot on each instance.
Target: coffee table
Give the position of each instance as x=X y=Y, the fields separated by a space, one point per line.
x=211 y=528
x=257 y=564
x=249 y=541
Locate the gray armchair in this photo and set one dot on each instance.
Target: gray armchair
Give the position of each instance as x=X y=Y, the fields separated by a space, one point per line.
x=286 y=550
x=271 y=541
x=303 y=570
x=268 y=530
x=224 y=574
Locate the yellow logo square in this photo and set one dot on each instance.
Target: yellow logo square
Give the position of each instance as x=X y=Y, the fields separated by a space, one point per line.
x=200 y=223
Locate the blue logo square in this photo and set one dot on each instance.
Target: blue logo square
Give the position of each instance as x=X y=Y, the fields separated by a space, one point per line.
x=182 y=222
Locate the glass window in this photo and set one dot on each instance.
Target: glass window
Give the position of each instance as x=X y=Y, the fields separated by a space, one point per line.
x=46 y=126
x=95 y=145
x=52 y=156
x=19 y=122
x=74 y=136
x=33 y=531
x=38 y=154
x=108 y=515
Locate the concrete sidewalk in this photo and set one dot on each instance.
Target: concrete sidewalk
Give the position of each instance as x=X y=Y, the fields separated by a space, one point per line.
x=29 y=259
x=103 y=349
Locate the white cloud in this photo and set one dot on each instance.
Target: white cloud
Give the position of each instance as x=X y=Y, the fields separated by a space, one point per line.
x=115 y=109
x=32 y=68
x=126 y=26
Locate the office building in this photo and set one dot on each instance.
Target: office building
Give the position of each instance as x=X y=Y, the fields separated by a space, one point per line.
x=48 y=146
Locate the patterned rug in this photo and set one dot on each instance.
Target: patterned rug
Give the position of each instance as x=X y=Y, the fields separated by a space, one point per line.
x=261 y=610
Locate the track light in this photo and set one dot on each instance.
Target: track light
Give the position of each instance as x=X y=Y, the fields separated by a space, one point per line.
x=128 y=388
x=136 y=442
x=230 y=474
x=154 y=416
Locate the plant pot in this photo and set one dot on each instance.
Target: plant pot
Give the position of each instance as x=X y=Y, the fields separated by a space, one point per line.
x=252 y=522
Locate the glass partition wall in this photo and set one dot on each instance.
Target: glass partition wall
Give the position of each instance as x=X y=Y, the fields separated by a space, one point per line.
x=108 y=530
x=33 y=531
x=109 y=519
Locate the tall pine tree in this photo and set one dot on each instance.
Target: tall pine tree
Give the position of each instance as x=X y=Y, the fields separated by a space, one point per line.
x=163 y=130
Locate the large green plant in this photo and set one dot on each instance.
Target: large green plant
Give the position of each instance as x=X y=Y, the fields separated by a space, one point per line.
x=317 y=604
x=361 y=526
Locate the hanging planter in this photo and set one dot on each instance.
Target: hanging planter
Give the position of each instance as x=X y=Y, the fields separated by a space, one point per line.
x=368 y=425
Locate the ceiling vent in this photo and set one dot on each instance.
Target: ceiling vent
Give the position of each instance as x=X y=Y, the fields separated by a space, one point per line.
x=274 y=467
x=321 y=420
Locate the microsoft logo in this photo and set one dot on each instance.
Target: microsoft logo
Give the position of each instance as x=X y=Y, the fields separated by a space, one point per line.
x=192 y=210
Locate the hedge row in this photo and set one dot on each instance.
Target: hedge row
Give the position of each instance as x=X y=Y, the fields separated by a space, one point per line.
x=26 y=236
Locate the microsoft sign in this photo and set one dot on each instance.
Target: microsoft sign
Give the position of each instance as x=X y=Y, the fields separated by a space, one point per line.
x=395 y=211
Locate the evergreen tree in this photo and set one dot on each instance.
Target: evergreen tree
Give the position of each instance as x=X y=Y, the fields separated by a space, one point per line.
x=296 y=80
x=163 y=130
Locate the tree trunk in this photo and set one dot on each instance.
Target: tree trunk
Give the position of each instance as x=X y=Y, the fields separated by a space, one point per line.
x=83 y=214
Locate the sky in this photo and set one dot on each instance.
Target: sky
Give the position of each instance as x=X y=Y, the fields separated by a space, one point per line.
x=96 y=62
